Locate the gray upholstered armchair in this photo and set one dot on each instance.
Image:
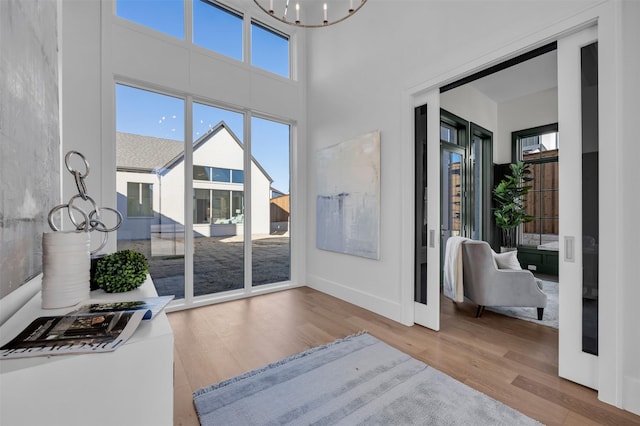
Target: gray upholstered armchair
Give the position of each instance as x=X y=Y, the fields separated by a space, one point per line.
x=486 y=285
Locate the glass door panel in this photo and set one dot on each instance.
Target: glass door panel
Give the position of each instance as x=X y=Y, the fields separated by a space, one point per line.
x=150 y=182
x=218 y=200
x=590 y=199
x=451 y=189
x=475 y=173
x=270 y=202
x=421 y=240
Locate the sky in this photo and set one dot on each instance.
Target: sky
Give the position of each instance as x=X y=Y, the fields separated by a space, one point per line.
x=152 y=114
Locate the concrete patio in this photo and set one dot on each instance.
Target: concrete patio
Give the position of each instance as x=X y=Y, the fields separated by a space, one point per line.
x=218 y=264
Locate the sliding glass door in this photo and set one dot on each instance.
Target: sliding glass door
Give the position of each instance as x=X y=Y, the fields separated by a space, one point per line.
x=579 y=206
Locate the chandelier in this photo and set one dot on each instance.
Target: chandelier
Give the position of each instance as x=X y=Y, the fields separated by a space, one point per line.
x=310 y=13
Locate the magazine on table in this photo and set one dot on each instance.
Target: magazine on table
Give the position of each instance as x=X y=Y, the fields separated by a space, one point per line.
x=151 y=306
x=91 y=328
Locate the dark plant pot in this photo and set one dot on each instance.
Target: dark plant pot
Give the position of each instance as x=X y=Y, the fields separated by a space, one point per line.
x=94 y=263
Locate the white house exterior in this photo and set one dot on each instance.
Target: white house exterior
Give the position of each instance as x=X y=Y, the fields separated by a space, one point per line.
x=150 y=182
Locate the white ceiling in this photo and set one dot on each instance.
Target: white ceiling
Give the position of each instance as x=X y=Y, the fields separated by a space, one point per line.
x=525 y=78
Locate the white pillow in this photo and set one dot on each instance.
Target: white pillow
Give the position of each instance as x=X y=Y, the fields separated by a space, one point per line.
x=507 y=260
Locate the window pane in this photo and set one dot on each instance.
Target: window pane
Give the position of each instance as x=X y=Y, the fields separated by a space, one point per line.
x=219 y=240
x=206 y=118
x=202 y=206
x=201 y=173
x=221 y=204
x=149 y=137
x=237 y=207
x=237 y=176
x=270 y=202
x=448 y=133
x=217 y=29
x=220 y=175
x=269 y=50
x=541 y=152
x=146 y=202
x=133 y=199
x=166 y=16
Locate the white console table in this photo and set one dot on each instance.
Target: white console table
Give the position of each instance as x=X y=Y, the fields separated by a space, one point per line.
x=131 y=386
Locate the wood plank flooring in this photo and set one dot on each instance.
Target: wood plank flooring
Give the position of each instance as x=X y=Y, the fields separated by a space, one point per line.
x=511 y=360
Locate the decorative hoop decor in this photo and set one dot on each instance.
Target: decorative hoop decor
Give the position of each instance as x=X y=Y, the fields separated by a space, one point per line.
x=92 y=220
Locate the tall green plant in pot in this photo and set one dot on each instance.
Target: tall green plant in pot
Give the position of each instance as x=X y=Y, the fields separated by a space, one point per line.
x=510 y=206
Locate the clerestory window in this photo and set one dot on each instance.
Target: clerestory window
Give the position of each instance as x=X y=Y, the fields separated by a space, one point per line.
x=215 y=26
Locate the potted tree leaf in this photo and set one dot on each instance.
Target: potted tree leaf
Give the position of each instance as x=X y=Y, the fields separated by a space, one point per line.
x=510 y=206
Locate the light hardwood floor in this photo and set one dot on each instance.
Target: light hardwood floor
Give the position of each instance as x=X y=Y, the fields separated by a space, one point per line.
x=511 y=360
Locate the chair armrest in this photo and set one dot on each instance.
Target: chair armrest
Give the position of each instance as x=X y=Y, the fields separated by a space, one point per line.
x=506 y=287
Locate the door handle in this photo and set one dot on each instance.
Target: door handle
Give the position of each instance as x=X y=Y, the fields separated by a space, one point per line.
x=569 y=249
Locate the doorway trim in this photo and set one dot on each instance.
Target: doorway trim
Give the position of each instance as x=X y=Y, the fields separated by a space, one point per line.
x=605 y=15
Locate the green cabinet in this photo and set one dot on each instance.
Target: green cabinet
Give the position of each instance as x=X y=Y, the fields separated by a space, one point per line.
x=541 y=261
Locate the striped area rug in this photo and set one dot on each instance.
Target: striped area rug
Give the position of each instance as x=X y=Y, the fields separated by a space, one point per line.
x=356 y=380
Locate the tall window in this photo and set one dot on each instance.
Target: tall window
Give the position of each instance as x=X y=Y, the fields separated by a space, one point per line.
x=540 y=148
x=270 y=225
x=149 y=154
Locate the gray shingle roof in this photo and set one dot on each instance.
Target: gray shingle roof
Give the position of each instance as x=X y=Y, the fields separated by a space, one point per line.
x=144 y=153
x=138 y=153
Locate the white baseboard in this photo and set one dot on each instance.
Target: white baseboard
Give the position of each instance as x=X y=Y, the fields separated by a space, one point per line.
x=386 y=308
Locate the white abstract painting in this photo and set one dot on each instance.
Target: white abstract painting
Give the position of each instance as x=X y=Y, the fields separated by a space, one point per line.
x=348 y=197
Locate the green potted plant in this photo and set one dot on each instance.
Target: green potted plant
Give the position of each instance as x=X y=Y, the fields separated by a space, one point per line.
x=510 y=207
x=121 y=271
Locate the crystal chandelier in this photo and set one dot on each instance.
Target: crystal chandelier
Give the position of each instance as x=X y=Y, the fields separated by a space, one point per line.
x=310 y=13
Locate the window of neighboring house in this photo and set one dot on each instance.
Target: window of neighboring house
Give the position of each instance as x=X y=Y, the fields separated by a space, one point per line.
x=202 y=206
x=139 y=199
x=221 y=206
x=217 y=174
x=237 y=176
x=540 y=148
x=217 y=28
x=218 y=206
x=166 y=16
x=269 y=49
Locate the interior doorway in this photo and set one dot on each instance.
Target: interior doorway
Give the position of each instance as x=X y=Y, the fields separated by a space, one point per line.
x=464 y=116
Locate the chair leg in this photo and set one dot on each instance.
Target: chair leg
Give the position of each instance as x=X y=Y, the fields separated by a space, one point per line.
x=540 y=312
x=479 y=311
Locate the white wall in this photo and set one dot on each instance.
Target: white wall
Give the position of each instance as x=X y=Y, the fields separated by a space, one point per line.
x=469 y=103
x=360 y=72
x=522 y=113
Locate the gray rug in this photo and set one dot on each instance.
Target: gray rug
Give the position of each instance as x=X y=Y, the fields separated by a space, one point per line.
x=355 y=381
x=550 y=316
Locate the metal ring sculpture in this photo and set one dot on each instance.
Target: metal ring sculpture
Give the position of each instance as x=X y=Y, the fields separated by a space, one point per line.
x=92 y=220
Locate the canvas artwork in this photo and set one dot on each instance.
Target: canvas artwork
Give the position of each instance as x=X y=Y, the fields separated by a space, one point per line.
x=348 y=197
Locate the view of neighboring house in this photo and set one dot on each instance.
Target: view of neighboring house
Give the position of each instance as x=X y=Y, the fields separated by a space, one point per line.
x=150 y=184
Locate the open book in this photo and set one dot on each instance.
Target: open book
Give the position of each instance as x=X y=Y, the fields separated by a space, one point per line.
x=93 y=327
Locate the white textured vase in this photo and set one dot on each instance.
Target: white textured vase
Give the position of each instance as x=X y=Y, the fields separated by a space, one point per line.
x=66 y=265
